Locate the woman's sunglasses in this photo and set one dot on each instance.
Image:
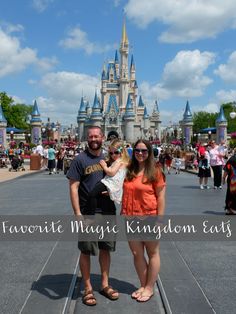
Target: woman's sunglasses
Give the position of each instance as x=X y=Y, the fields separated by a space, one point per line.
x=115 y=152
x=142 y=151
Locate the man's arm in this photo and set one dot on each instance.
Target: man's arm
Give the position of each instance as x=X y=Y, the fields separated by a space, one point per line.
x=74 y=196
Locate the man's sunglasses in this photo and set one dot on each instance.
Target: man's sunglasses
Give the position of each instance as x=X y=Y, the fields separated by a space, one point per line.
x=142 y=151
x=115 y=152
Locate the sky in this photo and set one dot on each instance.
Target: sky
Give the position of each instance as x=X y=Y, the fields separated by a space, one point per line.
x=53 y=51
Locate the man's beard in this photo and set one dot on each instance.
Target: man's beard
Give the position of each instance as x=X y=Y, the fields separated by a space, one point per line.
x=95 y=145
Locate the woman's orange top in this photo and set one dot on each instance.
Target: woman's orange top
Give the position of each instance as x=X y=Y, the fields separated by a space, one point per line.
x=139 y=199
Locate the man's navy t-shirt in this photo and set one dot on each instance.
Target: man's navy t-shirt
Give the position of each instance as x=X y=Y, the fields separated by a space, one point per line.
x=86 y=169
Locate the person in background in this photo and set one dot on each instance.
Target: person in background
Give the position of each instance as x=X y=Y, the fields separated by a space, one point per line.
x=204 y=171
x=216 y=162
x=178 y=163
x=60 y=157
x=230 y=175
x=144 y=195
x=51 y=159
x=39 y=151
x=168 y=160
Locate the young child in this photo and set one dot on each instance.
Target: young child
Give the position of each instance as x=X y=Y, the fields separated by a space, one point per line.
x=115 y=174
x=177 y=163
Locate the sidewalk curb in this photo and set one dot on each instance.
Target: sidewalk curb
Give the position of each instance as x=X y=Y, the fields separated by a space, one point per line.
x=23 y=175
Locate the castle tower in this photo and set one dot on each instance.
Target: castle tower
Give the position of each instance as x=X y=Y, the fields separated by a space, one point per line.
x=81 y=119
x=146 y=124
x=129 y=118
x=221 y=126
x=36 y=125
x=132 y=72
x=96 y=115
x=3 y=126
x=155 y=121
x=187 y=125
x=117 y=66
x=124 y=76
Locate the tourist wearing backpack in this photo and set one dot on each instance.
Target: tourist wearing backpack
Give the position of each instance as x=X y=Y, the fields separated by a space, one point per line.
x=230 y=174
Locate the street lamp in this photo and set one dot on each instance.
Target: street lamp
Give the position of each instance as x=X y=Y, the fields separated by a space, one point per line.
x=209 y=135
x=29 y=135
x=232 y=115
x=12 y=135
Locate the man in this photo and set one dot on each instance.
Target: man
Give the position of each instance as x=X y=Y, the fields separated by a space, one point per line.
x=85 y=171
x=39 y=151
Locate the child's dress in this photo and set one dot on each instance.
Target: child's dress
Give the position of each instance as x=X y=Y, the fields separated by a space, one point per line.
x=114 y=184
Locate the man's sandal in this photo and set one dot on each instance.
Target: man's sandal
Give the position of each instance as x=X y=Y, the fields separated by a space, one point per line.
x=89 y=298
x=109 y=292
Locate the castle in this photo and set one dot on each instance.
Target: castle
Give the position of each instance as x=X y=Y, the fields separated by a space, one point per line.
x=119 y=108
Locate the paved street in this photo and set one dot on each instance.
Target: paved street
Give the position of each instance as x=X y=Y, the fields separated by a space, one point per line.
x=197 y=277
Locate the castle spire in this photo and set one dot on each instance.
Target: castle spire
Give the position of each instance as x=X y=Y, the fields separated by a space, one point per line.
x=221 y=116
x=2 y=117
x=187 y=113
x=124 y=34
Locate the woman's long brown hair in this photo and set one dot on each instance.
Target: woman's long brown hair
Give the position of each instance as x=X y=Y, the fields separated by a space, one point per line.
x=150 y=169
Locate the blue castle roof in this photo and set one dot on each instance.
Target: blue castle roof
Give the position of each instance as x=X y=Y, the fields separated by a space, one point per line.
x=187 y=117
x=145 y=114
x=2 y=117
x=96 y=109
x=129 y=110
x=82 y=109
x=112 y=103
x=132 y=62
x=156 y=107
x=140 y=102
x=116 y=57
x=35 y=113
x=221 y=116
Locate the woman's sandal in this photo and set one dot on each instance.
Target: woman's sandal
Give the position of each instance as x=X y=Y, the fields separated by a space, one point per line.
x=89 y=298
x=109 y=292
x=144 y=298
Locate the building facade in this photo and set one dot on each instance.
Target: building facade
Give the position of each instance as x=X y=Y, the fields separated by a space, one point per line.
x=119 y=107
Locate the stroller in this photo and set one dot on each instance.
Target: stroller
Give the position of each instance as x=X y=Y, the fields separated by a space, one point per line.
x=3 y=160
x=17 y=163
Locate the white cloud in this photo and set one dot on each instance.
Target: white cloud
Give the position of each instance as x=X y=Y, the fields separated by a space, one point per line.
x=227 y=72
x=182 y=77
x=64 y=90
x=226 y=96
x=14 y=58
x=116 y=3
x=18 y=100
x=188 y=21
x=210 y=107
x=78 y=39
x=41 y=5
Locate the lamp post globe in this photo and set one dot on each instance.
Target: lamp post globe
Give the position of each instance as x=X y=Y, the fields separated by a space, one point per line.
x=232 y=115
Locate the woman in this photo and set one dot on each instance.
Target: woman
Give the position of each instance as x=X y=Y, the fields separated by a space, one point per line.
x=204 y=171
x=216 y=162
x=230 y=174
x=144 y=195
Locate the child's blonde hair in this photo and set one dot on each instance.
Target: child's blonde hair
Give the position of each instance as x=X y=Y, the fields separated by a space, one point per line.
x=118 y=145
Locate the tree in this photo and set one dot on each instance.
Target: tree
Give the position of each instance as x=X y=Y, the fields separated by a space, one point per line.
x=229 y=107
x=17 y=115
x=202 y=120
